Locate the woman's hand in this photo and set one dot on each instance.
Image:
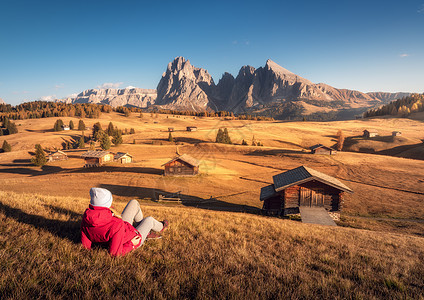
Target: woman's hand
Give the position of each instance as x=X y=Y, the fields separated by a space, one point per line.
x=136 y=240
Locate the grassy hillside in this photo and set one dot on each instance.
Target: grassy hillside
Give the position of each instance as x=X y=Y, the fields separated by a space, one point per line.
x=204 y=254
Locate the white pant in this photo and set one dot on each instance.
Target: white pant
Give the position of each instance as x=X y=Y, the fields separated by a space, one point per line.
x=132 y=214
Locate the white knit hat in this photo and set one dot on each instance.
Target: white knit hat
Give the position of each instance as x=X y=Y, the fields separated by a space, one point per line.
x=100 y=197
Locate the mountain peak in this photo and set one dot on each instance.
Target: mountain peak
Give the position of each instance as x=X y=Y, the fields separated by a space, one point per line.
x=276 y=67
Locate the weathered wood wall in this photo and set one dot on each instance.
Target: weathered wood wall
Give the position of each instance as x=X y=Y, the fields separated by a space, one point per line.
x=180 y=168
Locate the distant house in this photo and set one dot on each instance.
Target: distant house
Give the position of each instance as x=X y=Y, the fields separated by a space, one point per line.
x=57 y=155
x=191 y=128
x=96 y=158
x=66 y=127
x=182 y=165
x=321 y=149
x=170 y=129
x=302 y=186
x=370 y=133
x=123 y=158
x=396 y=133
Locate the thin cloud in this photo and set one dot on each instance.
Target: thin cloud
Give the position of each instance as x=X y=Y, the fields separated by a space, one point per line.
x=59 y=86
x=72 y=95
x=403 y=55
x=421 y=9
x=110 y=85
x=20 y=92
x=131 y=87
x=47 y=98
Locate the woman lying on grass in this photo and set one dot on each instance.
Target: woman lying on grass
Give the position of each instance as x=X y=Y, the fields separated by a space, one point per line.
x=100 y=224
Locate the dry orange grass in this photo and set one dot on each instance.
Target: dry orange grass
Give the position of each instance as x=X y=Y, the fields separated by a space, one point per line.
x=204 y=254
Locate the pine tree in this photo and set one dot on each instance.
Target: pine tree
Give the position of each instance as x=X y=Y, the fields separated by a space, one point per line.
x=96 y=128
x=132 y=131
x=219 y=136
x=11 y=128
x=170 y=138
x=6 y=146
x=81 y=143
x=227 y=139
x=40 y=156
x=244 y=143
x=104 y=140
x=117 y=138
x=58 y=125
x=81 y=125
x=71 y=125
x=110 y=129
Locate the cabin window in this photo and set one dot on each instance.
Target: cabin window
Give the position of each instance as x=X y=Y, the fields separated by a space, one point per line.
x=171 y=169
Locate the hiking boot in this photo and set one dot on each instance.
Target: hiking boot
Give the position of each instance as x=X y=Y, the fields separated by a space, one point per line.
x=153 y=235
x=165 y=225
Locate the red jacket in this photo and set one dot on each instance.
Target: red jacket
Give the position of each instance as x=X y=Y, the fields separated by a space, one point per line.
x=100 y=226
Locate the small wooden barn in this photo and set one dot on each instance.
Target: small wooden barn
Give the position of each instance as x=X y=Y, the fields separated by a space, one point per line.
x=370 y=133
x=66 y=127
x=182 y=165
x=123 y=158
x=96 y=158
x=396 y=133
x=57 y=156
x=321 y=149
x=170 y=129
x=302 y=186
x=191 y=128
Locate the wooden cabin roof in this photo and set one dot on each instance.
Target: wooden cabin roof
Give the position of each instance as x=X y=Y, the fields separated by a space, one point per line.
x=266 y=192
x=185 y=158
x=321 y=146
x=304 y=174
x=122 y=154
x=94 y=154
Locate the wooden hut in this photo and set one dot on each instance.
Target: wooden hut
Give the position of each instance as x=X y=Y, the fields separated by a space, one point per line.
x=123 y=158
x=170 y=129
x=321 y=149
x=396 y=133
x=182 y=165
x=96 y=158
x=370 y=133
x=191 y=128
x=66 y=127
x=57 y=156
x=302 y=186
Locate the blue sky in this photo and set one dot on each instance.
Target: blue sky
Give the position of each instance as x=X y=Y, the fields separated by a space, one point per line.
x=58 y=48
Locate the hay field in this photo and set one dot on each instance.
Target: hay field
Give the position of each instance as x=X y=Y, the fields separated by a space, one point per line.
x=203 y=254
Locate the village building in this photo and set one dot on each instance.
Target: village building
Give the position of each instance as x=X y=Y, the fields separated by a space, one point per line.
x=123 y=158
x=302 y=186
x=321 y=149
x=57 y=156
x=170 y=129
x=66 y=127
x=191 y=128
x=182 y=165
x=96 y=158
x=370 y=133
x=396 y=133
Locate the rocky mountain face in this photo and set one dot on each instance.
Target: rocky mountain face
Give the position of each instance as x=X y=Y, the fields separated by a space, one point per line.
x=270 y=90
x=116 y=97
x=184 y=87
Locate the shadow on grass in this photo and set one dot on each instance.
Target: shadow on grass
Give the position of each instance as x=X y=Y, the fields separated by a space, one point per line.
x=69 y=230
x=186 y=200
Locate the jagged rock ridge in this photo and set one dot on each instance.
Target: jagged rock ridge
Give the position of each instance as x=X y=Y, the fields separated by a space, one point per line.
x=2 y=101
x=265 y=90
x=116 y=97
